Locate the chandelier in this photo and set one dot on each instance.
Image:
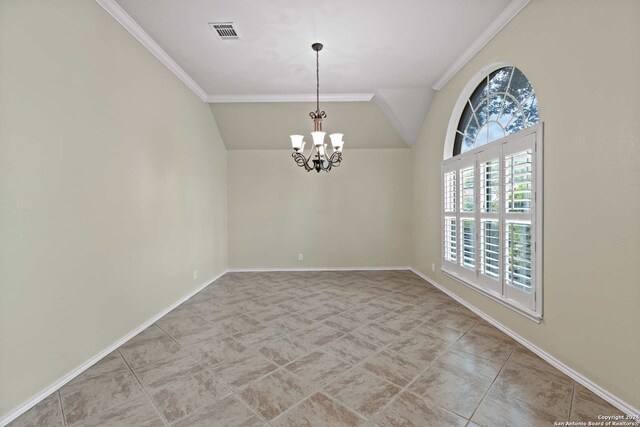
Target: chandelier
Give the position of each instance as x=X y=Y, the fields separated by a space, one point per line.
x=319 y=157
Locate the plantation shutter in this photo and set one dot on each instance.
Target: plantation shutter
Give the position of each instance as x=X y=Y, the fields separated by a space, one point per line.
x=491 y=219
x=489 y=216
x=450 y=214
x=467 y=219
x=519 y=190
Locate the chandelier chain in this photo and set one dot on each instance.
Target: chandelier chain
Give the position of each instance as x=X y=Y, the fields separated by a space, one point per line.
x=317 y=82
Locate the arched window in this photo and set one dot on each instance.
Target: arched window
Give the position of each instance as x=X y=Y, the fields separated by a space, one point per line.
x=502 y=104
x=492 y=190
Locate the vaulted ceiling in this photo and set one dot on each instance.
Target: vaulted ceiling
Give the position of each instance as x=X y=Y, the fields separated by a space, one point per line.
x=395 y=52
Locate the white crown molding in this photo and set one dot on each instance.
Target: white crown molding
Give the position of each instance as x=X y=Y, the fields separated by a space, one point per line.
x=141 y=35
x=294 y=97
x=570 y=372
x=485 y=37
x=15 y=413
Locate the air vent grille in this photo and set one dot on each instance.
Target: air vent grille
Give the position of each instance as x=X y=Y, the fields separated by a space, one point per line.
x=225 y=30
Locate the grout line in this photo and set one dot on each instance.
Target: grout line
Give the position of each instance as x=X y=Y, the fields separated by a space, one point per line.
x=335 y=400
x=143 y=389
x=320 y=388
x=384 y=347
x=64 y=420
x=217 y=380
x=113 y=372
x=573 y=396
x=188 y=311
x=316 y=391
x=493 y=382
x=155 y=361
x=419 y=374
x=503 y=365
x=283 y=368
x=524 y=401
x=243 y=401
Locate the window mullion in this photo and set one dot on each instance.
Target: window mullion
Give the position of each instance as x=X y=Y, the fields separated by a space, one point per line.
x=459 y=237
x=501 y=227
x=534 y=223
x=477 y=201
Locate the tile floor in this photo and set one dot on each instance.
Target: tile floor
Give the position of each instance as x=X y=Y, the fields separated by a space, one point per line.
x=319 y=349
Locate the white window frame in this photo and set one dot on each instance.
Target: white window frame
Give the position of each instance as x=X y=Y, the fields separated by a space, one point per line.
x=530 y=307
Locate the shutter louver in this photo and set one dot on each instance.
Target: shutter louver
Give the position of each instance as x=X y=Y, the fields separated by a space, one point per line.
x=490 y=248
x=517 y=262
x=450 y=191
x=489 y=186
x=467 y=190
x=517 y=182
x=450 y=239
x=468 y=233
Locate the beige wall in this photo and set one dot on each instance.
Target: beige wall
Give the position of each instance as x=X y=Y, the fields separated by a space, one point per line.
x=584 y=62
x=112 y=190
x=358 y=215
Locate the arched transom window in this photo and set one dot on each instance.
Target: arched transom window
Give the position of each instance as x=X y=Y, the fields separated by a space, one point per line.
x=502 y=104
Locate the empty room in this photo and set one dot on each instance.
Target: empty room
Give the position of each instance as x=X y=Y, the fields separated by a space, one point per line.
x=330 y=213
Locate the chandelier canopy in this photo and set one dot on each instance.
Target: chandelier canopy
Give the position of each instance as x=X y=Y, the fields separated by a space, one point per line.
x=319 y=157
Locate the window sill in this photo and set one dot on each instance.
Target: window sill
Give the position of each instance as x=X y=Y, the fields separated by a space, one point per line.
x=530 y=314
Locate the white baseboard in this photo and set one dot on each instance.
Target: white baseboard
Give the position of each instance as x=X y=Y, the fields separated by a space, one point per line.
x=576 y=376
x=15 y=413
x=251 y=270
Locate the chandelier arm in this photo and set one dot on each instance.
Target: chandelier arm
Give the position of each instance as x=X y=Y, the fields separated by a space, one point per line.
x=330 y=162
x=301 y=160
x=336 y=158
x=311 y=160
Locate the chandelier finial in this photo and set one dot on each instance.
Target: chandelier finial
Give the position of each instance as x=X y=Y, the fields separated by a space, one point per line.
x=317 y=47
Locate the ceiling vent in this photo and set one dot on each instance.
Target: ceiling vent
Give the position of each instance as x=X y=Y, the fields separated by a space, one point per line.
x=225 y=30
